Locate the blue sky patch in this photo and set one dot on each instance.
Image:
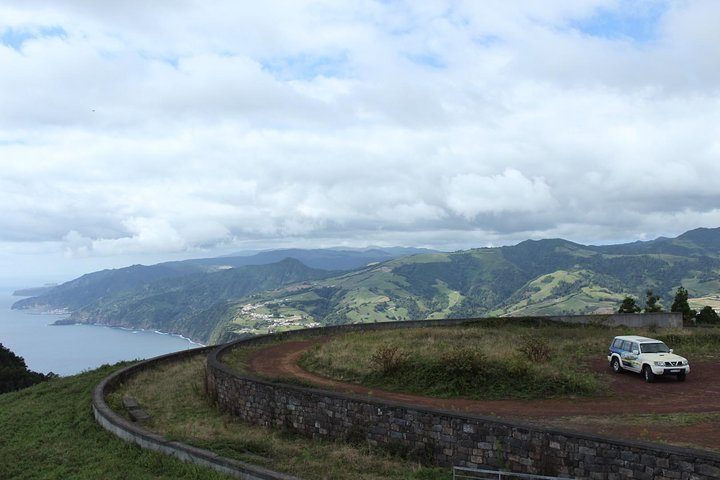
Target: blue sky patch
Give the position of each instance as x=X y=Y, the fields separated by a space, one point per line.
x=172 y=60
x=427 y=60
x=15 y=37
x=637 y=21
x=5 y=142
x=307 y=66
x=487 y=40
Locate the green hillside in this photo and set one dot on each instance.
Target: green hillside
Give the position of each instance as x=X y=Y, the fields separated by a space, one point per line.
x=532 y=278
x=540 y=277
x=128 y=281
x=48 y=432
x=564 y=291
x=191 y=305
x=92 y=286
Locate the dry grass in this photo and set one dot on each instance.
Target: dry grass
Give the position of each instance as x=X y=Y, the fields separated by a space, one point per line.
x=173 y=396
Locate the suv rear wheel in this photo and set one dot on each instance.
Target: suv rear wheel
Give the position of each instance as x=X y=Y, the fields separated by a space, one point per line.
x=615 y=364
x=648 y=374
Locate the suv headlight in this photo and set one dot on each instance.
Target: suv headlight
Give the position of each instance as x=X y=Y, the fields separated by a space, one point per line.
x=659 y=364
x=684 y=362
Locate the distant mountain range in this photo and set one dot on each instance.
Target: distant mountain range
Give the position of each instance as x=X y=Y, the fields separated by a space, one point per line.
x=215 y=299
x=91 y=287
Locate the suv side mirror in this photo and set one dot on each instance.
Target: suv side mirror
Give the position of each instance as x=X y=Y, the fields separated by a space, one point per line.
x=635 y=352
x=671 y=350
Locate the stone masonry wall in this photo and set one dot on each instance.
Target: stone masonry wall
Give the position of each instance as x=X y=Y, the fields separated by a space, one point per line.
x=442 y=437
x=123 y=428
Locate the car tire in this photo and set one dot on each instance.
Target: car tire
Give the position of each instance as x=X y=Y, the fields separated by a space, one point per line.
x=648 y=374
x=681 y=377
x=615 y=365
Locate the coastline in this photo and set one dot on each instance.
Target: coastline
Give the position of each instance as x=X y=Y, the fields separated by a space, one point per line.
x=33 y=311
x=68 y=351
x=67 y=321
x=64 y=322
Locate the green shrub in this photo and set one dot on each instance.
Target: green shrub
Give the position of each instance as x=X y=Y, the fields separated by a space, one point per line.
x=470 y=374
x=463 y=360
x=14 y=374
x=388 y=359
x=536 y=349
x=708 y=316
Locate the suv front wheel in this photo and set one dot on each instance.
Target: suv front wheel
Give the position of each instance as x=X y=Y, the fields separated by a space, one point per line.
x=648 y=374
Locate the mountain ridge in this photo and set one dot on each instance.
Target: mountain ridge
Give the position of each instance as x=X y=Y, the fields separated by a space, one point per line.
x=548 y=276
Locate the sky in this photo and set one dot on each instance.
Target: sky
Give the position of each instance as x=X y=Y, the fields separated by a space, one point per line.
x=136 y=132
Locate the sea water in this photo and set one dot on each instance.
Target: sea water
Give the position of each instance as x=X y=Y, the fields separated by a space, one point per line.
x=70 y=349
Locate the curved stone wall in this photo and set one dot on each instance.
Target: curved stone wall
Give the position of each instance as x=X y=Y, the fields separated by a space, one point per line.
x=442 y=437
x=132 y=432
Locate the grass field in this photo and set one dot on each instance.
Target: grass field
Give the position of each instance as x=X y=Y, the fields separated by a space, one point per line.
x=48 y=432
x=511 y=360
x=711 y=300
x=173 y=395
x=541 y=296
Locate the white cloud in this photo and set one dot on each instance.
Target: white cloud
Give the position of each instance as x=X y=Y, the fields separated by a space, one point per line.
x=510 y=192
x=145 y=235
x=171 y=127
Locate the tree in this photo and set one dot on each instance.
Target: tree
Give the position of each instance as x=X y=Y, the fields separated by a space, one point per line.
x=708 y=316
x=629 y=305
x=680 y=304
x=14 y=374
x=651 y=302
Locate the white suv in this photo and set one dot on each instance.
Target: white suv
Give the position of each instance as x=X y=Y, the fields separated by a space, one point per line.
x=647 y=356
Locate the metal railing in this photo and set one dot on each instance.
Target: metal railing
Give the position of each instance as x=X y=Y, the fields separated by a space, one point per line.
x=463 y=473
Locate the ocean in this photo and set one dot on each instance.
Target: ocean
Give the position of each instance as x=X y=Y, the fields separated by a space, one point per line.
x=70 y=349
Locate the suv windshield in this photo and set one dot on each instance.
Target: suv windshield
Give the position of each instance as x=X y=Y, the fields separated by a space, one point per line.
x=654 y=348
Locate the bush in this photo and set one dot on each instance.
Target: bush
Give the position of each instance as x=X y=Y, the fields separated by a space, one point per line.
x=467 y=374
x=388 y=359
x=14 y=374
x=462 y=360
x=708 y=316
x=536 y=349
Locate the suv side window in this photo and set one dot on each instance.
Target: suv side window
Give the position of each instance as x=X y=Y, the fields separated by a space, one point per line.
x=617 y=343
x=626 y=346
x=635 y=346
